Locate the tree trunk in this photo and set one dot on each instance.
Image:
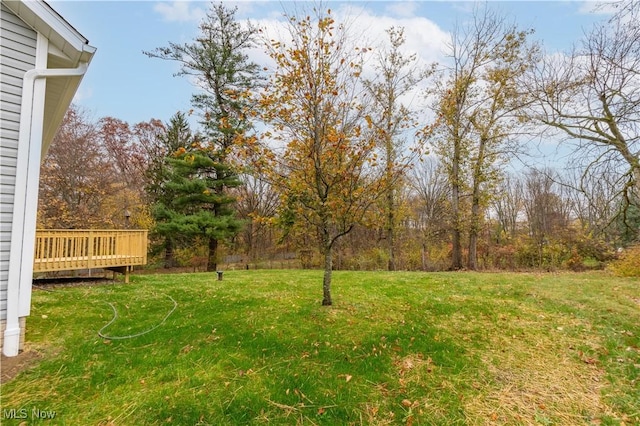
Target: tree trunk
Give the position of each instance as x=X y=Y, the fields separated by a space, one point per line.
x=456 y=253
x=391 y=224
x=169 y=260
x=472 y=261
x=424 y=257
x=212 y=261
x=326 y=281
x=474 y=228
x=391 y=217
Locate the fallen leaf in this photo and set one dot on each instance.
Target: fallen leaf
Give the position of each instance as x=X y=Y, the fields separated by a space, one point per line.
x=406 y=403
x=321 y=411
x=348 y=377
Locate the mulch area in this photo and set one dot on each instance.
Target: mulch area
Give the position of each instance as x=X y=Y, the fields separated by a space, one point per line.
x=10 y=367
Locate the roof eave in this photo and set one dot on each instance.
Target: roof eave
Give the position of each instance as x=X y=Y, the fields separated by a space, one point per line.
x=45 y=20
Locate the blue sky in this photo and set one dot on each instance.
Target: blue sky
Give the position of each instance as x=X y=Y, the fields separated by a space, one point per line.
x=124 y=83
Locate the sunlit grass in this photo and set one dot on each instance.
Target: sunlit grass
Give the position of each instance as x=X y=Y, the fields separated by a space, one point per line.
x=396 y=348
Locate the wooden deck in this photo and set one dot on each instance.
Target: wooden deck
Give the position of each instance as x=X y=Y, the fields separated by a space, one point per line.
x=72 y=249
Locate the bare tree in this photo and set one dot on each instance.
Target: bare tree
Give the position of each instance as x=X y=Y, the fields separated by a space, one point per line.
x=76 y=178
x=545 y=207
x=508 y=204
x=431 y=193
x=591 y=199
x=257 y=203
x=392 y=120
x=591 y=96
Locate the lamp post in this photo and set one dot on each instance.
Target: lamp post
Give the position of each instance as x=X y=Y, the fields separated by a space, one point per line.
x=127 y=215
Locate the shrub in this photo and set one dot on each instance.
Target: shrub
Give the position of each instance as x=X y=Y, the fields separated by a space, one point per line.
x=194 y=256
x=628 y=264
x=368 y=260
x=575 y=262
x=549 y=254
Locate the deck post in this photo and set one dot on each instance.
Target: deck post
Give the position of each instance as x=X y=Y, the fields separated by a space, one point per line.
x=90 y=253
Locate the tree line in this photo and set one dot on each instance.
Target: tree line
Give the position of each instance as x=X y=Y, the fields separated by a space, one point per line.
x=320 y=154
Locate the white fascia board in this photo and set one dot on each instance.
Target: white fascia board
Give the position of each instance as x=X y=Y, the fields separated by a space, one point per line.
x=45 y=20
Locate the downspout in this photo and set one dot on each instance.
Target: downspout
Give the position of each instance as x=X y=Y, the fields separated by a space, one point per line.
x=26 y=186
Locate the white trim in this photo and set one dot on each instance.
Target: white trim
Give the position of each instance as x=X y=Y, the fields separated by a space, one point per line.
x=26 y=192
x=31 y=121
x=37 y=12
x=55 y=51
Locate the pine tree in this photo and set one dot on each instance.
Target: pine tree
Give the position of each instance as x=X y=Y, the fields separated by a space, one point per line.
x=199 y=206
x=158 y=174
x=204 y=172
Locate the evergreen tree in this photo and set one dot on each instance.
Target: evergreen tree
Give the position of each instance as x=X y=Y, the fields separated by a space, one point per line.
x=198 y=206
x=158 y=174
x=627 y=222
x=203 y=172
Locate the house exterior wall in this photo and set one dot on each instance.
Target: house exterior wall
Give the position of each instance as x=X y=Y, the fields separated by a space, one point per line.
x=18 y=53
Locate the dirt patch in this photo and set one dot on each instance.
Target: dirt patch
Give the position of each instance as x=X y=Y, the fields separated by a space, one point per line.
x=12 y=366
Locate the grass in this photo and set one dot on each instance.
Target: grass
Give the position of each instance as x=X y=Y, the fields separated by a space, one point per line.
x=396 y=348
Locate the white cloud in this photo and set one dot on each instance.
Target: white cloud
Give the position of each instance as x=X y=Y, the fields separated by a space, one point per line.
x=598 y=7
x=244 y=7
x=424 y=38
x=180 y=11
x=402 y=9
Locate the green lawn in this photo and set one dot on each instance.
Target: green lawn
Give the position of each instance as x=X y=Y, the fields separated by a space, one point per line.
x=396 y=348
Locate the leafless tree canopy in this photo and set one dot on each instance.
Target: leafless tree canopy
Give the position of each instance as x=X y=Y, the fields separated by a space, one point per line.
x=591 y=96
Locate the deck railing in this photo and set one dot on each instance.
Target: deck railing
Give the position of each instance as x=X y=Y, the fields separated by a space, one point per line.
x=70 y=249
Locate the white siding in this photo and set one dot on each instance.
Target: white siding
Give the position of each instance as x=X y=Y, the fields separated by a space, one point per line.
x=18 y=55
